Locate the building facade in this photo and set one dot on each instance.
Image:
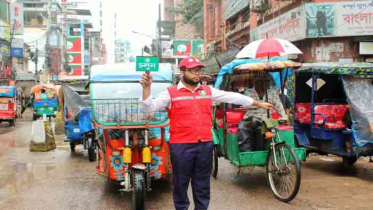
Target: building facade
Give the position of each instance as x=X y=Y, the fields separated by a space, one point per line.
x=5 y=40
x=324 y=30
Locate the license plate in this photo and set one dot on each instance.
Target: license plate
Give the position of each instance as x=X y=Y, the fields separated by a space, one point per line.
x=4 y=107
x=50 y=108
x=41 y=109
x=76 y=130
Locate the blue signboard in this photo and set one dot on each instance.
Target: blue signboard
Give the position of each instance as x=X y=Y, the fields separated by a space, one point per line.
x=16 y=52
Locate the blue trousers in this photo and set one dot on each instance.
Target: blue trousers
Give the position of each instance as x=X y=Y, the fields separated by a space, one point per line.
x=191 y=162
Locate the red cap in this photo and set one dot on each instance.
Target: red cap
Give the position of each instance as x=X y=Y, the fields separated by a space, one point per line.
x=190 y=63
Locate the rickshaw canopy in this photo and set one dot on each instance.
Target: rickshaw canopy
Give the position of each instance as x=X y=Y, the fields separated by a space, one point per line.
x=38 y=88
x=358 y=68
x=126 y=72
x=7 y=91
x=251 y=65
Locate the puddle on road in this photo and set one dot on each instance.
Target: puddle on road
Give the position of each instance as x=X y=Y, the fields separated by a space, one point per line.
x=18 y=177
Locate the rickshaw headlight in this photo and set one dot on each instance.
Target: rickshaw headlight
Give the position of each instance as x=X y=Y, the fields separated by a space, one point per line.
x=156 y=148
x=115 y=153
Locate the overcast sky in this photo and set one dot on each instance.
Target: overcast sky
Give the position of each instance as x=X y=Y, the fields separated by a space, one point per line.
x=132 y=15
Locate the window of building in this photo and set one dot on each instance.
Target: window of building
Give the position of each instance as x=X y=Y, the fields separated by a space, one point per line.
x=75 y=30
x=35 y=18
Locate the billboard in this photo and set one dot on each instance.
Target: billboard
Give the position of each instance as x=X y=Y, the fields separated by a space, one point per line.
x=5 y=30
x=289 y=26
x=353 y=18
x=17 y=48
x=75 y=70
x=16 y=18
x=198 y=49
x=74 y=44
x=186 y=48
x=75 y=58
x=4 y=11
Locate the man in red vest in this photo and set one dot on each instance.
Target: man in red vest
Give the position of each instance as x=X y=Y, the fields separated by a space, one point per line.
x=191 y=146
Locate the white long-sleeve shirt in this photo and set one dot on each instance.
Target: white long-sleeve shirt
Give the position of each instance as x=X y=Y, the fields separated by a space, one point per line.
x=164 y=99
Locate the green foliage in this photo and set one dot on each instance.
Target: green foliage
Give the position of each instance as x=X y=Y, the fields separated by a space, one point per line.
x=191 y=10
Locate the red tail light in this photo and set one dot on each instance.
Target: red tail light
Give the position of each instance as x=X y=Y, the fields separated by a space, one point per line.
x=11 y=106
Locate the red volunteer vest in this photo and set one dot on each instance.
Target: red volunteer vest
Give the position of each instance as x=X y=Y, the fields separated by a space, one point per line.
x=190 y=115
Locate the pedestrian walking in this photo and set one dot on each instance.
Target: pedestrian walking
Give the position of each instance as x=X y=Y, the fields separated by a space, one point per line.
x=190 y=112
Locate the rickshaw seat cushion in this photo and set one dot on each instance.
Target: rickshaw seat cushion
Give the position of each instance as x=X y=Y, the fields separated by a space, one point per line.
x=334 y=115
x=235 y=116
x=233 y=130
x=303 y=112
x=117 y=144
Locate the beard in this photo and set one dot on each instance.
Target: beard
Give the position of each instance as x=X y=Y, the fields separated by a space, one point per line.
x=191 y=81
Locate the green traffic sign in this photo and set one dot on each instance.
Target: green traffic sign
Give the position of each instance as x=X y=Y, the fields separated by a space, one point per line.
x=146 y=63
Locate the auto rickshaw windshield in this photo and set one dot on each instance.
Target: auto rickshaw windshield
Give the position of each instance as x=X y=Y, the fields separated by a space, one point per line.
x=124 y=90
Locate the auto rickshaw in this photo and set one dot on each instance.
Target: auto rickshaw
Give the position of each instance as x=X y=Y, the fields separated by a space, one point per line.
x=278 y=153
x=79 y=129
x=8 y=105
x=44 y=101
x=333 y=109
x=132 y=149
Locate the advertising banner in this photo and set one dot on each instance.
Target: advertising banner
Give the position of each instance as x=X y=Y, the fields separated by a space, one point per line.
x=289 y=26
x=75 y=58
x=74 y=44
x=17 y=48
x=16 y=18
x=4 y=10
x=5 y=30
x=353 y=18
x=181 y=48
x=76 y=70
x=198 y=48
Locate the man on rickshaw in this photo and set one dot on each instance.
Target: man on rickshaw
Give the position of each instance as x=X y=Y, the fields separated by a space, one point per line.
x=250 y=137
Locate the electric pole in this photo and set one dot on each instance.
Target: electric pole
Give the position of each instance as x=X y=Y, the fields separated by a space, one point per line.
x=47 y=40
x=160 y=34
x=64 y=36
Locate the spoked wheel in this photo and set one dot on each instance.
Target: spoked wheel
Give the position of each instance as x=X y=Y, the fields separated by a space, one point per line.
x=91 y=149
x=283 y=172
x=215 y=162
x=139 y=190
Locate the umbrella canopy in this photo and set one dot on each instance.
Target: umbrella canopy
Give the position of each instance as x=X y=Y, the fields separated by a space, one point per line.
x=267 y=48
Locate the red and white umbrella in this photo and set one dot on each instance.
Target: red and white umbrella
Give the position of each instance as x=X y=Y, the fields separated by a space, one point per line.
x=268 y=48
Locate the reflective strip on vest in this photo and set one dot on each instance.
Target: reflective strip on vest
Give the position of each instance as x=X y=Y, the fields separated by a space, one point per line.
x=182 y=98
x=199 y=97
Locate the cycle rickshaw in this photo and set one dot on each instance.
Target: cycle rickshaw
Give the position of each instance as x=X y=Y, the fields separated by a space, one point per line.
x=279 y=156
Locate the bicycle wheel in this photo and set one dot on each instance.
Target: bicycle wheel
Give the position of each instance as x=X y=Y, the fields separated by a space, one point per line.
x=215 y=162
x=283 y=172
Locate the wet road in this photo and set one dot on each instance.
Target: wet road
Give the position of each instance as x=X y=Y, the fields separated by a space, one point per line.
x=61 y=180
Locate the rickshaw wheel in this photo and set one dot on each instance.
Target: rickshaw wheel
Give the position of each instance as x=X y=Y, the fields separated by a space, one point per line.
x=215 y=162
x=72 y=147
x=349 y=161
x=12 y=122
x=91 y=150
x=284 y=178
x=139 y=190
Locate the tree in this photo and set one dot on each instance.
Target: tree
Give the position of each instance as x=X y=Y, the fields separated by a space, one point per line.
x=192 y=12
